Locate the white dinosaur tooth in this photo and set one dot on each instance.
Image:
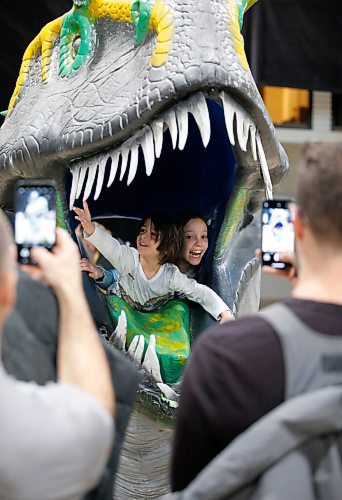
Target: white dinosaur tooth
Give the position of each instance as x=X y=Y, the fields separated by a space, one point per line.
x=133 y=163
x=90 y=181
x=264 y=169
x=118 y=336
x=75 y=176
x=148 y=150
x=72 y=139
x=199 y=109
x=133 y=346
x=253 y=142
x=182 y=120
x=242 y=126
x=158 y=130
x=140 y=349
x=229 y=112
x=124 y=158
x=100 y=177
x=151 y=361
x=136 y=348
x=170 y=120
x=81 y=181
x=169 y=393
x=113 y=168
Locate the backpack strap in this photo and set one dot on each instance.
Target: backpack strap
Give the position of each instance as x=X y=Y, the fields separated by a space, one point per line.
x=312 y=359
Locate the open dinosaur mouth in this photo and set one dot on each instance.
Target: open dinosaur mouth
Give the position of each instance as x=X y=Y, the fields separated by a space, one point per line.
x=141 y=152
x=186 y=159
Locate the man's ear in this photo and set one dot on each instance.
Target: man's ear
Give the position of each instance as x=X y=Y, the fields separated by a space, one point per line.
x=8 y=286
x=298 y=222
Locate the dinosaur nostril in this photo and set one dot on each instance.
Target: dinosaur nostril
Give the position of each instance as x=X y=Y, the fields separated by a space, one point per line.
x=76 y=45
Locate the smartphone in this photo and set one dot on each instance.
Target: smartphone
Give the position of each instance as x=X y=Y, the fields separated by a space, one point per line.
x=277 y=234
x=35 y=217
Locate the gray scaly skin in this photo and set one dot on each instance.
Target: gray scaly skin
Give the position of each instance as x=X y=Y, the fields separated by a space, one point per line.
x=141 y=68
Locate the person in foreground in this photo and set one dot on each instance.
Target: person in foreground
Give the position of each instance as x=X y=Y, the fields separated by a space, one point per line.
x=240 y=371
x=55 y=439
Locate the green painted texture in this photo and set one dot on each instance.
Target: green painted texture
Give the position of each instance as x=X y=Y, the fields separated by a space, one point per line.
x=171 y=327
x=232 y=220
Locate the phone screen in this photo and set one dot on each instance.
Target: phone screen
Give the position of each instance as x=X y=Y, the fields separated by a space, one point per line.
x=35 y=218
x=277 y=232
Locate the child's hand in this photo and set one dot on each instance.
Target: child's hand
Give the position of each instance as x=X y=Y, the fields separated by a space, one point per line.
x=94 y=272
x=226 y=316
x=84 y=216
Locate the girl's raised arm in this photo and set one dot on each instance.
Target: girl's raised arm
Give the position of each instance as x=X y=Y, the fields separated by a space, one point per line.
x=83 y=215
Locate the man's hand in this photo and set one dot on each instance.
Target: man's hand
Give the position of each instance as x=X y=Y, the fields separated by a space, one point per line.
x=94 y=272
x=81 y=359
x=84 y=216
x=59 y=268
x=290 y=273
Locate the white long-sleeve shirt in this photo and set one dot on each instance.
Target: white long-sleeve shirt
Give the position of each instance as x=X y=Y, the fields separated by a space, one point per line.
x=149 y=294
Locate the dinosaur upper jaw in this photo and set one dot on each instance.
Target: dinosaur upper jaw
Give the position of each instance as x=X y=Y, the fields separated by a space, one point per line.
x=46 y=153
x=103 y=107
x=121 y=162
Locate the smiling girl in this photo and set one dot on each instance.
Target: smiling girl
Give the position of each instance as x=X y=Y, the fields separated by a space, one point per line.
x=148 y=277
x=194 y=230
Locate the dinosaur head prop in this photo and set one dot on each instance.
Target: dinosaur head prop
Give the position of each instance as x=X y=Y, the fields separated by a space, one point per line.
x=149 y=105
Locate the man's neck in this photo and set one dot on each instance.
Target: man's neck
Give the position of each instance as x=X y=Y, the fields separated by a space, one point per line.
x=320 y=281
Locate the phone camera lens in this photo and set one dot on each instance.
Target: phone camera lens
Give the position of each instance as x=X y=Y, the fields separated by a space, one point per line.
x=24 y=252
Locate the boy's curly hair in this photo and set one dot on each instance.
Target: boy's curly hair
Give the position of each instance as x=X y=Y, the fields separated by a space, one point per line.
x=169 y=236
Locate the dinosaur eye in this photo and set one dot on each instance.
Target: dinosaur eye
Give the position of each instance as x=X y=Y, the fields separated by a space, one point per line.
x=77 y=41
x=141 y=15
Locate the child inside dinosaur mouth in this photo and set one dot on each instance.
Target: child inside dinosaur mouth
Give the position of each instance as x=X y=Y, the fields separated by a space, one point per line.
x=148 y=278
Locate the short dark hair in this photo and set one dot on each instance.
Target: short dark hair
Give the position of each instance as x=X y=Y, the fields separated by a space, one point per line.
x=5 y=240
x=170 y=239
x=319 y=190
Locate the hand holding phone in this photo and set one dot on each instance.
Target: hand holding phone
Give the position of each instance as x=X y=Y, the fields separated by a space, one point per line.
x=35 y=217
x=277 y=233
